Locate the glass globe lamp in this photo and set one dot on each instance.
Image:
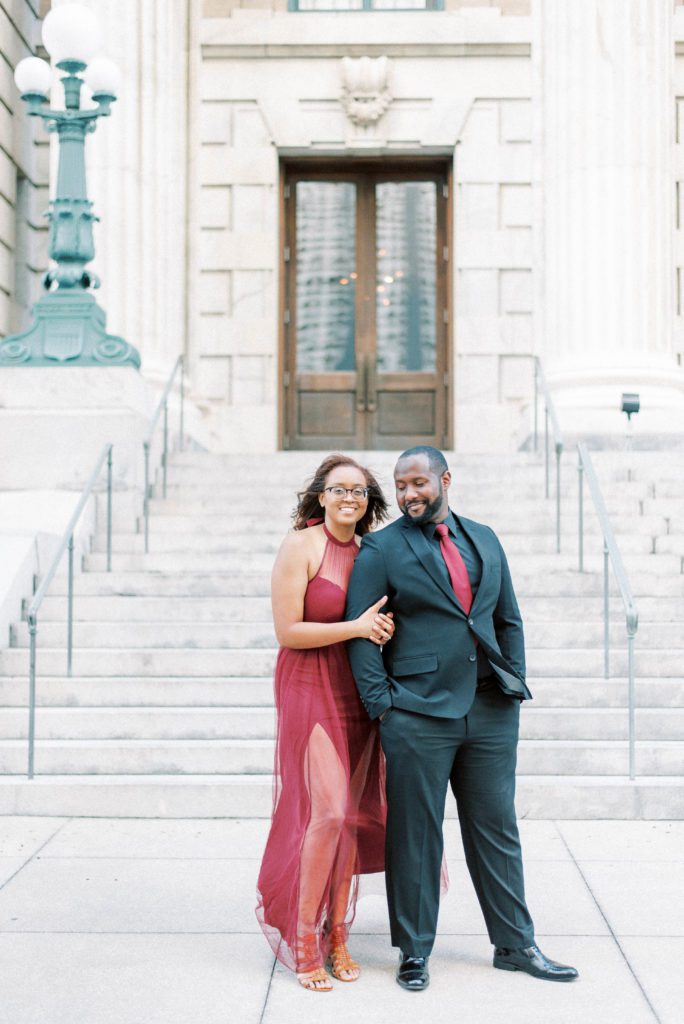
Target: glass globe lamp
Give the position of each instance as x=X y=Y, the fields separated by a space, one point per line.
x=33 y=77
x=71 y=34
x=102 y=77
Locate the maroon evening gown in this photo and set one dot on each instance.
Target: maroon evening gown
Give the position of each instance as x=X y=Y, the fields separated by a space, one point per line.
x=329 y=809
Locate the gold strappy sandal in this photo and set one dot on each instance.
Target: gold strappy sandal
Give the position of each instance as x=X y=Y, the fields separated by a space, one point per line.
x=339 y=959
x=311 y=974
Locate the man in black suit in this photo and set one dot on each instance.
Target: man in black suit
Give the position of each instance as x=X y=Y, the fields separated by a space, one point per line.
x=447 y=691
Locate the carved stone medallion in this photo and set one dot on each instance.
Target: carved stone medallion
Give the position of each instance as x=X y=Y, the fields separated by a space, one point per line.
x=365 y=89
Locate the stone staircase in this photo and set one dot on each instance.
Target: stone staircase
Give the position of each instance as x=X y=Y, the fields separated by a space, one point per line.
x=169 y=711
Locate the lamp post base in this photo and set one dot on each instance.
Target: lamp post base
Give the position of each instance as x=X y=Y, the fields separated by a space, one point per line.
x=69 y=330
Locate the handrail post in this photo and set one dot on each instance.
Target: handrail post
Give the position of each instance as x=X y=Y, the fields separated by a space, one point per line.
x=66 y=544
x=559 y=452
x=182 y=403
x=546 y=450
x=580 y=471
x=162 y=407
x=165 y=456
x=606 y=614
x=70 y=607
x=611 y=553
x=536 y=404
x=631 y=696
x=33 y=628
x=146 y=495
x=109 y=509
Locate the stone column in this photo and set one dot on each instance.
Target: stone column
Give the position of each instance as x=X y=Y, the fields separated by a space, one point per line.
x=136 y=165
x=604 y=73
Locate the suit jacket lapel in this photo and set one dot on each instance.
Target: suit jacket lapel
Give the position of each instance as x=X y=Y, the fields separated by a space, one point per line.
x=421 y=549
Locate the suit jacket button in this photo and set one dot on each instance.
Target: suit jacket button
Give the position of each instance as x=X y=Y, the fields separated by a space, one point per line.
x=472 y=657
x=471 y=622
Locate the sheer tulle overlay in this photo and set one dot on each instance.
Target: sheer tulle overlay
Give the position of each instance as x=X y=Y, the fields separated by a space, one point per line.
x=329 y=811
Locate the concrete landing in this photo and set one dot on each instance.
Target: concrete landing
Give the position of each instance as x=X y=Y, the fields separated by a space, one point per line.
x=130 y=920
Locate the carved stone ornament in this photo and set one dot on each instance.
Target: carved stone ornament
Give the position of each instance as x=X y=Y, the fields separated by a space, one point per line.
x=365 y=89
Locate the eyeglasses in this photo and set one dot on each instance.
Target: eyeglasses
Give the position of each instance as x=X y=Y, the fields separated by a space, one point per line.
x=342 y=492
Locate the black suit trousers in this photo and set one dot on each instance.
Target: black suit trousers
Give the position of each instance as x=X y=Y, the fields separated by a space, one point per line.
x=476 y=754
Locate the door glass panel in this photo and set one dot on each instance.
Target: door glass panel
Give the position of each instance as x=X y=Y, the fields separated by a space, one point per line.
x=326 y=276
x=406 y=220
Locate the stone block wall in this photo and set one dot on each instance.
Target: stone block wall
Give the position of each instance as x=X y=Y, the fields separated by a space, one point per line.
x=234 y=352
x=493 y=259
x=24 y=162
x=678 y=135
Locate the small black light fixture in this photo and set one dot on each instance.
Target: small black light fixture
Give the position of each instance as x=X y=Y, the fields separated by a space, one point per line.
x=630 y=404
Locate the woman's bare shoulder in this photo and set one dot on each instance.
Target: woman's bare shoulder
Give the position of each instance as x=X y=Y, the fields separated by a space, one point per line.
x=301 y=541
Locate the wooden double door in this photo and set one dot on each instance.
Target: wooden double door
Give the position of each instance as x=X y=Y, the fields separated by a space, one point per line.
x=365 y=272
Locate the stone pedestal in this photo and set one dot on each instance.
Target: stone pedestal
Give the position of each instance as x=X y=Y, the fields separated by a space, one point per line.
x=55 y=420
x=605 y=173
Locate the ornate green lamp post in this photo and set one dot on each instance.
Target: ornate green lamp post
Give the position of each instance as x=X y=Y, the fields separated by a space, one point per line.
x=69 y=327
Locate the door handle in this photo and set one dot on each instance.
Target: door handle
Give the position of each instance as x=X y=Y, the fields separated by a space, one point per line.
x=362 y=384
x=371 y=384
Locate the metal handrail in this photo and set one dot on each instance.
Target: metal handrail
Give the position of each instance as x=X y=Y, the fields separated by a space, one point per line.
x=611 y=553
x=67 y=543
x=549 y=414
x=147 y=440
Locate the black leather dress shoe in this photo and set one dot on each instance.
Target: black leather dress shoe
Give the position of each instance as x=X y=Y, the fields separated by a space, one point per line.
x=413 y=973
x=532 y=961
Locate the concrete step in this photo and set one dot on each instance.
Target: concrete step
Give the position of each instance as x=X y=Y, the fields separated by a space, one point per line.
x=551 y=582
x=188 y=692
x=529 y=561
x=188 y=608
x=169 y=583
x=611 y=465
x=184 y=608
x=255 y=756
x=638 y=541
x=548 y=635
x=619 y=457
x=212 y=723
x=480 y=507
x=495 y=483
x=670 y=506
x=671 y=543
x=559 y=608
x=140 y=691
x=160 y=661
x=534 y=520
x=249 y=796
x=134 y=634
x=144 y=661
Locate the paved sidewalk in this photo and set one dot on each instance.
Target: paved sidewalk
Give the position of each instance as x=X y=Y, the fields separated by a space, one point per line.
x=151 y=922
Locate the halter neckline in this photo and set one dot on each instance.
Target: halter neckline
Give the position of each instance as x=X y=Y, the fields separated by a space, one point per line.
x=334 y=540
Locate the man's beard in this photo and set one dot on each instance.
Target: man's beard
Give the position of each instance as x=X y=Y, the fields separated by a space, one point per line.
x=431 y=509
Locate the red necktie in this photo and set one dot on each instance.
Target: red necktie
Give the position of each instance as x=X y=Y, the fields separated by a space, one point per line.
x=458 y=574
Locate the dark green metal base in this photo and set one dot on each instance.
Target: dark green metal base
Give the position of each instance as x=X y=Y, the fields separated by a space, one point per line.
x=69 y=330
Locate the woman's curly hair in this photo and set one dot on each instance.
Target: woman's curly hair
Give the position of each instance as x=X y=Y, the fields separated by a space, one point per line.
x=308 y=505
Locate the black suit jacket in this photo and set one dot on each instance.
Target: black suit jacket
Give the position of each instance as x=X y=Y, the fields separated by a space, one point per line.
x=430 y=665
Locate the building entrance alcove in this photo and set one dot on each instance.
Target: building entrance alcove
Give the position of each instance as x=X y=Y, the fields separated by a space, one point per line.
x=365 y=312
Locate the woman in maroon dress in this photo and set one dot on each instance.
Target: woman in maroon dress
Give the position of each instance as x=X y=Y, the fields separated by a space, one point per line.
x=328 y=822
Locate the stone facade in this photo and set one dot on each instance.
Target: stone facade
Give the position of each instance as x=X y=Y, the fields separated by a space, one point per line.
x=186 y=178
x=24 y=161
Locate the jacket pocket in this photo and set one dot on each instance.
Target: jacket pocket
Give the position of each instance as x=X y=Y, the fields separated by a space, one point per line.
x=415 y=665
